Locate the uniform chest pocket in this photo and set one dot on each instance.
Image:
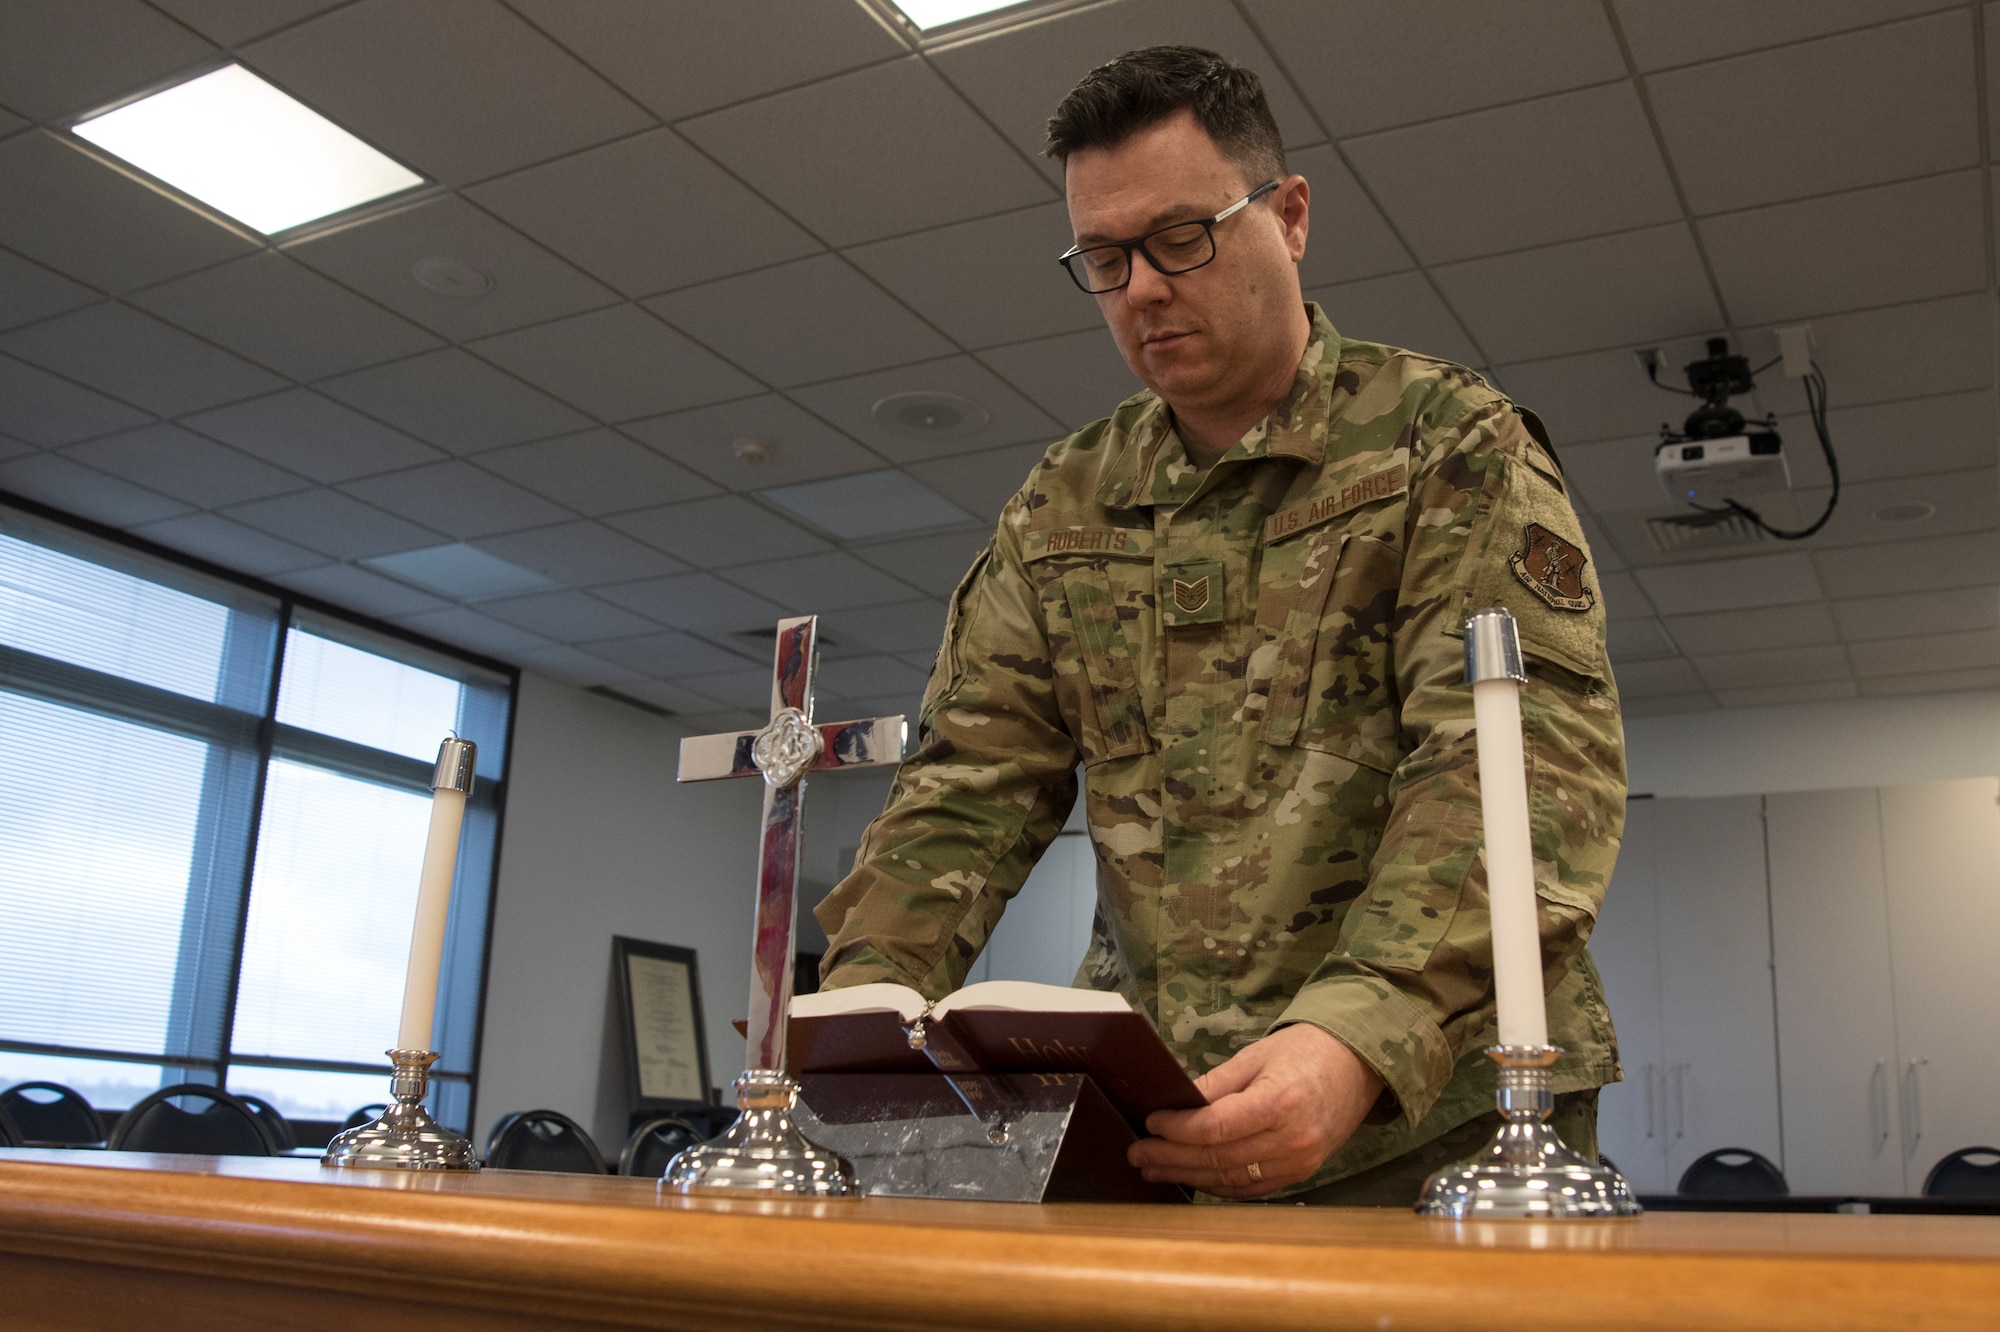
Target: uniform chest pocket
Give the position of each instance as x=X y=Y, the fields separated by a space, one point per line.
x=1100 y=614
x=1326 y=605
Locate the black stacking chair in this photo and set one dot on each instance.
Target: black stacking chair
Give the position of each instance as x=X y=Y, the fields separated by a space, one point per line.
x=276 y=1127
x=1733 y=1172
x=542 y=1140
x=10 y=1132
x=51 y=1112
x=367 y=1114
x=1964 y=1174
x=224 y=1127
x=654 y=1143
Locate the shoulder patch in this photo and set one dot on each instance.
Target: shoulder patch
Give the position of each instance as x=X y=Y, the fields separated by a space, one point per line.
x=1552 y=569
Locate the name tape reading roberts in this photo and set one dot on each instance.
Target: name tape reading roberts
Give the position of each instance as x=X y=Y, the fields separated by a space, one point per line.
x=1131 y=541
x=1376 y=485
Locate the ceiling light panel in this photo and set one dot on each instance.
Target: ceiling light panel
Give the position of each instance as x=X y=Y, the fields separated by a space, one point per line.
x=928 y=14
x=247 y=150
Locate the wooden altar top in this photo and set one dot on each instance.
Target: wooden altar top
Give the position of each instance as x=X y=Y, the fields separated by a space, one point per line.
x=117 y=1239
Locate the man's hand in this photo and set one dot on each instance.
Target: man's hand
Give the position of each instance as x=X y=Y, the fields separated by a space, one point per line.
x=1284 y=1103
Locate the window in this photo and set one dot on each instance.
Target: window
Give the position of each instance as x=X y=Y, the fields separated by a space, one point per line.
x=213 y=804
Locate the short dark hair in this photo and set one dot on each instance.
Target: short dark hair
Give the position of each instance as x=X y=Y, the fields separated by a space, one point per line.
x=1141 y=88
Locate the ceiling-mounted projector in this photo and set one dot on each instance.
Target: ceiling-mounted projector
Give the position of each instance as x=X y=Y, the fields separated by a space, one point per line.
x=1718 y=455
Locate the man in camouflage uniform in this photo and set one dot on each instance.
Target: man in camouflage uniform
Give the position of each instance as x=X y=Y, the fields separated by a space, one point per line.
x=1238 y=603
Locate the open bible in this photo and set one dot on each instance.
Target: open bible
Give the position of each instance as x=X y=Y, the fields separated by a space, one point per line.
x=994 y=1027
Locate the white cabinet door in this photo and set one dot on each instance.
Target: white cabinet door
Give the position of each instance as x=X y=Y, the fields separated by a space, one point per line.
x=1941 y=847
x=1719 y=1086
x=1836 y=1009
x=1626 y=946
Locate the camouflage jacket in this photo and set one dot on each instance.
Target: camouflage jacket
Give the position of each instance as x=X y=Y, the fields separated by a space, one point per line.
x=1261 y=668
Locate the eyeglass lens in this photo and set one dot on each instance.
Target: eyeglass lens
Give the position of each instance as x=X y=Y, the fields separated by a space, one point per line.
x=1175 y=250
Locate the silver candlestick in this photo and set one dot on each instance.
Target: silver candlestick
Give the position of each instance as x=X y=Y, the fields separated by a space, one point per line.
x=1527 y=1171
x=405 y=1137
x=763 y=1150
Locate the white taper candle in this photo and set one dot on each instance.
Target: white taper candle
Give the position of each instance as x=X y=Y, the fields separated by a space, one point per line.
x=450 y=785
x=1493 y=665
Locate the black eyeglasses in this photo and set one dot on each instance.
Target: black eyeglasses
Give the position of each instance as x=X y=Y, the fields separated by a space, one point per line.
x=1180 y=248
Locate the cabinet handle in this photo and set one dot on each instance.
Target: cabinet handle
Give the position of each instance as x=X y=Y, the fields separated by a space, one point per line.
x=1680 y=1101
x=1649 y=1100
x=1913 y=1105
x=1878 y=1104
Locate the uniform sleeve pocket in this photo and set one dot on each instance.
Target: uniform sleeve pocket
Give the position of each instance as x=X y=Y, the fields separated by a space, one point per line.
x=949 y=668
x=1327 y=609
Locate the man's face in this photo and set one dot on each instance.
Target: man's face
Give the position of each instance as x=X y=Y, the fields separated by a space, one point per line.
x=1205 y=339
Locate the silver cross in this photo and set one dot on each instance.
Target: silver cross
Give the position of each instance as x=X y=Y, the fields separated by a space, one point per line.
x=788 y=747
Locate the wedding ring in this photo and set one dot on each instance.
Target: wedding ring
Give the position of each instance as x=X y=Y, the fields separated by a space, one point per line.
x=1256 y=1173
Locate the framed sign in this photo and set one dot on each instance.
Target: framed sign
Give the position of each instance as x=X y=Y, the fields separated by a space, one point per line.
x=666 y=1046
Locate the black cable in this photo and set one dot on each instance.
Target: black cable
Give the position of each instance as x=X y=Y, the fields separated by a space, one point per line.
x=1653 y=373
x=1815 y=385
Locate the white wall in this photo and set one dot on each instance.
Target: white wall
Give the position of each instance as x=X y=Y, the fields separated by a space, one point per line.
x=1816 y=746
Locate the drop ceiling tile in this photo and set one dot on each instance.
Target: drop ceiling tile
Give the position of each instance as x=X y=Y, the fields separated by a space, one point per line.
x=904 y=626
x=931 y=159
x=1893 y=243
x=1603 y=394
x=455 y=401
x=375 y=257
x=1920 y=565
x=14 y=448
x=304 y=432
x=1757 y=580
x=229 y=22
x=709 y=533
x=1077 y=378
x=1680 y=32
x=1776 y=695
x=1632 y=288
x=596 y=472
x=858 y=676
x=866 y=505
x=678 y=57
x=11 y=123
x=1592 y=149
x=1623 y=597
x=284 y=316
x=569 y=617
x=1912 y=614
x=617 y=364
x=1904 y=351
x=1959 y=502
x=1366 y=68
x=933 y=563
x=1835 y=114
x=1948 y=433
x=139 y=359
x=981 y=483
x=63 y=58
x=987 y=281
x=1926 y=654
x=460 y=89
x=1354 y=240
x=1017 y=77
x=457 y=498
x=802 y=322
x=182 y=464
x=1668 y=705
x=668 y=653
x=581 y=554
x=577 y=667
x=1935 y=682
x=661 y=694
x=98 y=225
x=469 y=629
x=1653 y=679
x=66 y=484
x=747 y=689
x=216 y=539
x=1774 y=666
x=1804 y=625
x=846 y=403
x=815 y=584
x=645 y=214
x=336 y=524
x=43 y=409
x=361 y=591
x=1401 y=310
x=29 y=292
x=799 y=446
x=702 y=602
x=1616 y=475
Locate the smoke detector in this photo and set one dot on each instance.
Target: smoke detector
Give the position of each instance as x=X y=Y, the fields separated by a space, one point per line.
x=930 y=415
x=752 y=452
x=450 y=277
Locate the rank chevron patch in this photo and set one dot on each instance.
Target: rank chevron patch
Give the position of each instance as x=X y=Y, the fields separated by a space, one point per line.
x=1191 y=597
